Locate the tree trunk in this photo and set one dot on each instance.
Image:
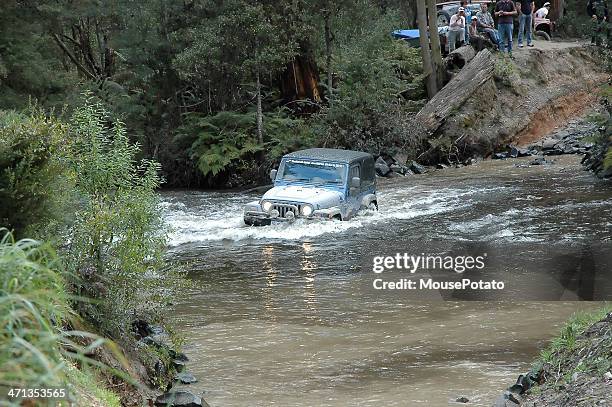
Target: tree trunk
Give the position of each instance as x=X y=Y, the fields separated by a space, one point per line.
x=328 y=56
x=431 y=83
x=300 y=82
x=434 y=39
x=259 y=111
x=456 y=92
x=459 y=57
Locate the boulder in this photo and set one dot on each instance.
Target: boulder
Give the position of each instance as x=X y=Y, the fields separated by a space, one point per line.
x=462 y=399
x=185 y=378
x=500 y=156
x=549 y=143
x=180 y=398
x=539 y=160
x=398 y=168
x=161 y=340
x=417 y=168
x=178 y=364
x=382 y=168
x=515 y=152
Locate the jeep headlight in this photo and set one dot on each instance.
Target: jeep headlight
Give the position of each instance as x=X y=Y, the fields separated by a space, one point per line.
x=266 y=206
x=307 y=210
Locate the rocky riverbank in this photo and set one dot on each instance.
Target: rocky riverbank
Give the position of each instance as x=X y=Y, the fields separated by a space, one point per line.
x=578 y=136
x=574 y=370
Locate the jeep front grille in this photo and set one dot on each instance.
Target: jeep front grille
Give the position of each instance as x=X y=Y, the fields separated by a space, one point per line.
x=283 y=208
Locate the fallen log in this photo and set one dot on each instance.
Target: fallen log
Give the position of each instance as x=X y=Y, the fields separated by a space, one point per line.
x=459 y=57
x=456 y=92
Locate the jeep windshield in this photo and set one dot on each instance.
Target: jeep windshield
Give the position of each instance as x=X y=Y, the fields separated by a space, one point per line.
x=315 y=172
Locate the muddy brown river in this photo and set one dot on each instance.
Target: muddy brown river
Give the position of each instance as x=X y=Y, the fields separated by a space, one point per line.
x=282 y=315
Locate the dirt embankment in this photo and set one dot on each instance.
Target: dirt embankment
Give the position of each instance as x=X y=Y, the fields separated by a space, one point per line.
x=575 y=369
x=526 y=98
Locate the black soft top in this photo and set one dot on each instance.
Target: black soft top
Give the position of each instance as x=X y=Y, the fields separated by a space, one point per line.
x=330 y=154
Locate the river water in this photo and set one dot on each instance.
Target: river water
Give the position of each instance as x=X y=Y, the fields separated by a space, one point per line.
x=280 y=315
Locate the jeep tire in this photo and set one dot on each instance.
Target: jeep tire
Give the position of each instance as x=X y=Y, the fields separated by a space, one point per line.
x=257 y=222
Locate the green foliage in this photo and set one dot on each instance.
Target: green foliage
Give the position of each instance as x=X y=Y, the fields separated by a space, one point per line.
x=28 y=63
x=559 y=352
x=32 y=305
x=377 y=75
x=33 y=178
x=504 y=70
x=34 y=308
x=118 y=239
x=228 y=49
x=227 y=141
x=156 y=63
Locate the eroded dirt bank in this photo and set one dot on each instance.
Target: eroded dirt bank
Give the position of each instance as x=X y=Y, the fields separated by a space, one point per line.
x=524 y=99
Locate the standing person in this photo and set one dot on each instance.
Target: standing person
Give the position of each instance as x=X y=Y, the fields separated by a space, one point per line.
x=598 y=10
x=456 y=29
x=527 y=7
x=467 y=11
x=505 y=12
x=543 y=11
x=486 y=24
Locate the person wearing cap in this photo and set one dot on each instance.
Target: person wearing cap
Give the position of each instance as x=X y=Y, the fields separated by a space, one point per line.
x=467 y=12
x=505 y=12
x=456 y=29
x=473 y=28
x=543 y=11
x=486 y=24
x=526 y=8
x=598 y=10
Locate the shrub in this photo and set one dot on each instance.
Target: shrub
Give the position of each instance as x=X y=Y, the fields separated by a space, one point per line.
x=33 y=178
x=378 y=76
x=118 y=238
x=34 y=308
x=227 y=140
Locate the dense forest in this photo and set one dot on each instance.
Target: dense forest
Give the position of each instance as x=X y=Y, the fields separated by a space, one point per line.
x=217 y=90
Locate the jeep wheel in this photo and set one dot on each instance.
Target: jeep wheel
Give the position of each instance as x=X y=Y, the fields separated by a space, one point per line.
x=257 y=222
x=542 y=35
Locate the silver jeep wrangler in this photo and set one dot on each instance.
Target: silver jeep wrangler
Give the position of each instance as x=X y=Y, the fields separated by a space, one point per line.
x=317 y=183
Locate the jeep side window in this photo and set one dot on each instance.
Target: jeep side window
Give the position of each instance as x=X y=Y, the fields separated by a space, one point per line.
x=354 y=172
x=367 y=174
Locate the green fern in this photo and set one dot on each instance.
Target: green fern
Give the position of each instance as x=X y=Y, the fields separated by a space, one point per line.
x=228 y=139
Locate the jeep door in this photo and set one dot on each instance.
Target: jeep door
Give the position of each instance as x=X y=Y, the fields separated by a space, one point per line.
x=354 y=194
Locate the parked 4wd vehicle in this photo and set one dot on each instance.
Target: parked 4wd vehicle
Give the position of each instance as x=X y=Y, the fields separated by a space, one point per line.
x=317 y=183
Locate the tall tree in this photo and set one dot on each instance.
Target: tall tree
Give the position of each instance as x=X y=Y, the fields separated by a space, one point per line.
x=434 y=39
x=431 y=81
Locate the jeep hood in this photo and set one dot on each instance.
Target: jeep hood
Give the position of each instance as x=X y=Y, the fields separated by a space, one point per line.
x=324 y=198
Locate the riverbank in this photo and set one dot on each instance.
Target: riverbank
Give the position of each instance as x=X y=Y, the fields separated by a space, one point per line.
x=575 y=369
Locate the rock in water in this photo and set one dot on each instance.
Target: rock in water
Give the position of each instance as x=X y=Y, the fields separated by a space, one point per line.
x=382 y=168
x=185 y=378
x=539 y=161
x=180 y=398
x=462 y=399
x=417 y=168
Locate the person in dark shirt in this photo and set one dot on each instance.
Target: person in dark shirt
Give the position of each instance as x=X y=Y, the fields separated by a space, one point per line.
x=598 y=10
x=505 y=12
x=527 y=7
